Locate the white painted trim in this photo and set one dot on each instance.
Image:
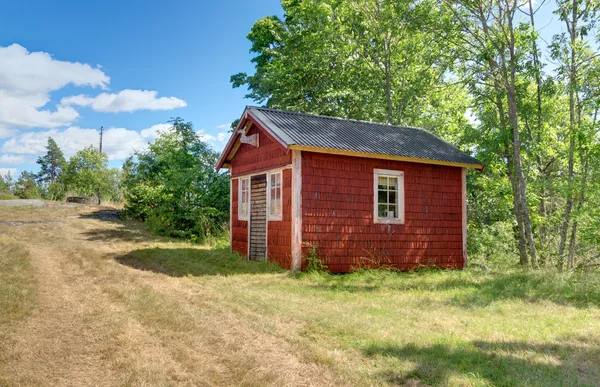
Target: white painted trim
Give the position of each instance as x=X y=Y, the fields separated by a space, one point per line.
x=464 y=216
x=249 y=215
x=267 y=220
x=247 y=218
x=296 y=210
x=388 y=172
x=269 y=216
x=231 y=215
x=288 y=166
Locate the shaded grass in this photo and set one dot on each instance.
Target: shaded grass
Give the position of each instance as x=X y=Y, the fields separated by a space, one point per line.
x=181 y=262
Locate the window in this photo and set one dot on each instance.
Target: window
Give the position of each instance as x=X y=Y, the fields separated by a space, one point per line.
x=388 y=196
x=274 y=203
x=243 y=198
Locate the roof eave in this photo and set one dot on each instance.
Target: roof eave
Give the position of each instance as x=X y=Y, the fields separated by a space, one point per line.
x=381 y=156
x=232 y=140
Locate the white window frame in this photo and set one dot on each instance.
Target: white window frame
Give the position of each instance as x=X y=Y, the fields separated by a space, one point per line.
x=269 y=215
x=388 y=173
x=240 y=196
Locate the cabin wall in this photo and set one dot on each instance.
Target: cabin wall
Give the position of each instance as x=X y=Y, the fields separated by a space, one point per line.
x=239 y=228
x=249 y=159
x=279 y=234
x=337 y=214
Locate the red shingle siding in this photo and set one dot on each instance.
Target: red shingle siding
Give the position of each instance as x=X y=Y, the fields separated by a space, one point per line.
x=270 y=154
x=337 y=208
x=239 y=228
x=249 y=160
x=279 y=236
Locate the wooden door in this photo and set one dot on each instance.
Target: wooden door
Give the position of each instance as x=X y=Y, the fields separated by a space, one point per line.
x=258 y=217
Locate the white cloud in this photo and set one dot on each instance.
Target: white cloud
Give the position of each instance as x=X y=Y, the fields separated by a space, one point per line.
x=26 y=81
x=223 y=136
x=125 y=101
x=118 y=143
x=5 y=171
x=22 y=72
x=205 y=137
x=5 y=133
x=152 y=132
x=11 y=159
x=224 y=126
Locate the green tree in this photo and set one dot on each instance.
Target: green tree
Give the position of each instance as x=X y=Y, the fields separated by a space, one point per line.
x=6 y=183
x=375 y=60
x=87 y=172
x=52 y=163
x=26 y=186
x=174 y=187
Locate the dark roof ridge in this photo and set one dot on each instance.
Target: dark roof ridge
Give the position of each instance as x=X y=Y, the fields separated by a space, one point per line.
x=339 y=118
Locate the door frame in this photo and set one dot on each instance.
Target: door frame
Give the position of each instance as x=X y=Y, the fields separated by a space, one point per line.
x=266 y=174
x=262 y=172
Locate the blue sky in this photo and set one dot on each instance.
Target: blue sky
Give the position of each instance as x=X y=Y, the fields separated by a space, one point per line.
x=183 y=50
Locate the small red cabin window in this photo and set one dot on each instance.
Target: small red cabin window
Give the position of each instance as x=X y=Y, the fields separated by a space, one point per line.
x=388 y=196
x=243 y=197
x=274 y=200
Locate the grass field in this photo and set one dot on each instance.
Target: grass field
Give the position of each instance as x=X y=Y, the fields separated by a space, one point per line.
x=103 y=302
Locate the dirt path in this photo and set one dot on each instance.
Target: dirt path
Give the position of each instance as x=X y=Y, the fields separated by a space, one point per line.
x=98 y=322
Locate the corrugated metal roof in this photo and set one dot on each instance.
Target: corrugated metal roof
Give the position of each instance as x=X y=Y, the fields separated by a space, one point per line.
x=310 y=130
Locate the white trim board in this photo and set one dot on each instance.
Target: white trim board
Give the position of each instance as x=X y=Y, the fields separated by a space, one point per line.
x=296 y=210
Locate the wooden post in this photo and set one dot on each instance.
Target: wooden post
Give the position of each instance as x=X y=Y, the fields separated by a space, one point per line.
x=296 y=210
x=464 y=216
x=231 y=214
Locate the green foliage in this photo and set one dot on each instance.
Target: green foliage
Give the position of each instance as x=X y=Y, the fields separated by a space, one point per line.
x=6 y=183
x=26 y=187
x=174 y=188
x=87 y=174
x=7 y=196
x=52 y=163
x=492 y=243
x=51 y=166
x=371 y=60
x=314 y=264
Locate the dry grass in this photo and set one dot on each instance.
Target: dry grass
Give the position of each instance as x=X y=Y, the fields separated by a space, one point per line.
x=102 y=302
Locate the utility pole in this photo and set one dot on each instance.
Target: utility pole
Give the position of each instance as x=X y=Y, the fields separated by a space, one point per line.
x=101 y=132
x=100 y=151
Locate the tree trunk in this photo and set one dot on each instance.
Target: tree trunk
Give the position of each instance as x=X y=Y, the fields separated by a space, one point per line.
x=522 y=244
x=539 y=111
x=572 y=87
x=514 y=122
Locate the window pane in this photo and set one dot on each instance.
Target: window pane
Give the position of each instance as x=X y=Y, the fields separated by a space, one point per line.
x=392 y=212
x=382 y=197
x=382 y=211
x=393 y=184
x=392 y=196
x=382 y=182
x=278 y=207
x=244 y=184
x=278 y=193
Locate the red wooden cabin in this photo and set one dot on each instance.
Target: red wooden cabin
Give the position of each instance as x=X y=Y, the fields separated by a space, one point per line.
x=363 y=193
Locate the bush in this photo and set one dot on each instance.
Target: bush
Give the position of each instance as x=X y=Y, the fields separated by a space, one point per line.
x=493 y=243
x=174 y=188
x=7 y=196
